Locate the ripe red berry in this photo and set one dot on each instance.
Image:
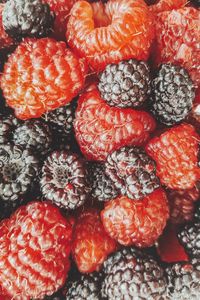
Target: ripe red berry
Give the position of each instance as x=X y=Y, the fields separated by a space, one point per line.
x=165 y=5
x=127 y=33
x=91 y=244
x=137 y=223
x=101 y=129
x=5 y=40
x=41 y=75
x=178 y=39
x=34 y=251
x=176 y=155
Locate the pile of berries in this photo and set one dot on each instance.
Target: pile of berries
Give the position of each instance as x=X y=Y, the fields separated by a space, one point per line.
x=99 y=149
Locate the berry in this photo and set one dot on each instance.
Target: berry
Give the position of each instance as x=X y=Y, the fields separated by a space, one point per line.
x=183 y=280
x=182 y=204
x=176 y=163
x=64 y=180
x=41 y=75
x=189 y=236
x=61 y=10
x=91 y=244
x=126 y=84
x=102 y=186
x=132 y=172
x=167 y=5
x=34 y=251
x=5 y=40
x=85 y=288
x=111 y=42
x=101 y=129
x=7 y=125
x=168 y=247
x=178 y=39
x=18 y=169
x=172 y=94
x=22 y=18
x=33 y=135
x=138 y=223
x=131 y=274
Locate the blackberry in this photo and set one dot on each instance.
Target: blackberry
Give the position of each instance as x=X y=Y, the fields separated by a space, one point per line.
x=22 y=18
x=7 y=125
x=132 y=171
x=132 y=274
x=172 y=94
x=34 y=135
x=189 y=237
x=102 y=186
x=126 y=84
x=18 y=170
x=183 y=280
x=88 y=287
x=64 y=180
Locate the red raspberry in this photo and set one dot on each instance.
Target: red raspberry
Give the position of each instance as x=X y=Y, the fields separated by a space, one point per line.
x=5 y=40
x=182 y=205
x=169 y=248
x=91 y=244
x=34 y=251
x=165 y=5
x=178 y=39
x=41 y=75
x=61 y=8
x=101 y=129
x=127 y=33
x=176 y=155
x=138 y=223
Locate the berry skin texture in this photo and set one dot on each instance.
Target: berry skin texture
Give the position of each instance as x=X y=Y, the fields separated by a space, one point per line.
x=101 y=129
x=172 y=94
x=34 y=251
x=133 y=172
x=176 y=163
x=167 y=5
x=132 y=274
x=189 y=236
x=64 y=180
x=40 y=76
x=137 y=223
x=128 y=33
x=91 y=244
x=178 y=39
x=5 y=40
x=23 y=18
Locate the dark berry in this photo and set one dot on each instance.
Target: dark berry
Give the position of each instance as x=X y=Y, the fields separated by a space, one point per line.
x=126 y=84
x=131 y=274
x=64 y=179
x=33 y=135
x=18 y=170
x=189 y=237
x=183 y=280
x=22 y=18
x=7 y=125
x=102 y=186
x=132 y=171
x=172 y=94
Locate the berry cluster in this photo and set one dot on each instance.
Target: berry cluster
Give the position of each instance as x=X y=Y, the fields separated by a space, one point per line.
x=99 y=149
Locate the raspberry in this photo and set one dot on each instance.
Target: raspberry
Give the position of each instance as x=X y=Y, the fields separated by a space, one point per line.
x=168 y=247
x=138 y=223
x=182 y=205
x=64 y=179
x=41 y=75
x=5 y=40
x=132 y=274
x=34 y=251
x=22 y=18
x=101 y=129
x=128 y=33
x=176 y=163
x=132 y=172
x=178 y=39
x=91 y=244
x=61 y=9
x=165 y=5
